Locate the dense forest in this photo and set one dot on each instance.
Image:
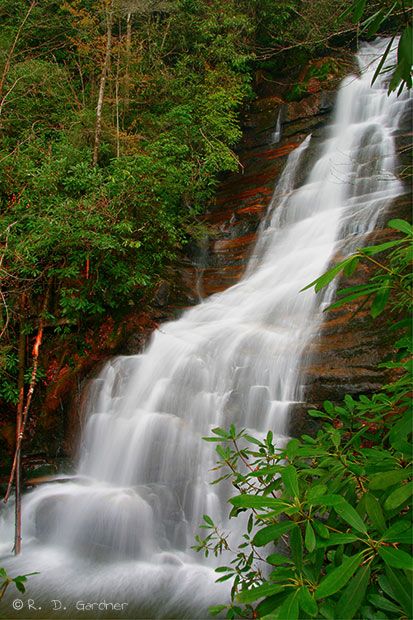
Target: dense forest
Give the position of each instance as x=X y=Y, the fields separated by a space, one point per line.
x=118 y=119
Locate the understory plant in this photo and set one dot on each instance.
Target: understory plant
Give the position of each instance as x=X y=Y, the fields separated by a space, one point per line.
x=329 y=515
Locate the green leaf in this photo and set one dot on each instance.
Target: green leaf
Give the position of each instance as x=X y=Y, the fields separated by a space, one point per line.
x=375 y=512
x=398 y=496
x=385 y=479
x=216 y=609
x=272 y=533
x=208 y=520
x=402 y=594
x=382 y=60
x=289 y=477
x=296 y=546
x=321 y=529
x=336 y=539
x=289 y=609
x=358 y=10
x=315 y=492
x=354 y=594
x=401 y=225
x=338 y=577
x=309 y=539
x=396 y=558
x=405 y=52
x=383 y=603
x=328 y=276
x=19 y=585
x=307 y=602
x=277 y=558
x=266 y=589
x=347 y=513
x=270 y=604
x=380 y=301
x=254 y=501
x=401 y=531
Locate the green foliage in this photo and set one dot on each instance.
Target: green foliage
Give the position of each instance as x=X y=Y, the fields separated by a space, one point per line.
x=6 y=581
x=91 y=240
x=330 y=531
x=371 y=22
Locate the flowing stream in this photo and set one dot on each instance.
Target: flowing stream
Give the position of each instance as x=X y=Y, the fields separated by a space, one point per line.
x=122 y=530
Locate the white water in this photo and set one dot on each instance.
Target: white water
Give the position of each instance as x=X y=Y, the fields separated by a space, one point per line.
x=123 y=531
x=276 y=136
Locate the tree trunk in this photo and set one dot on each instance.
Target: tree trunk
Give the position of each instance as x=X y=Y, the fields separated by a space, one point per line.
x=19 y=415
x=103 y=76
x=25 y=413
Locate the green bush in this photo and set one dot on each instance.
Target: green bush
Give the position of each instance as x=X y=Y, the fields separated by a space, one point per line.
x=329 y=515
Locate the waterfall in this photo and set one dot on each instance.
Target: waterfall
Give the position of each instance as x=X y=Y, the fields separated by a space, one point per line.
x=122 y=530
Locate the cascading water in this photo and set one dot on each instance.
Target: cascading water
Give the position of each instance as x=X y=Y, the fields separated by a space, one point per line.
x=122 y=530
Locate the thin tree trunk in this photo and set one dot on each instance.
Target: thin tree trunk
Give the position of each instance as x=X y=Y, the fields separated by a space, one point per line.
x=105 y=67
x=25 y=412
x=117 y=105
x=20 y=406
x=128 y=55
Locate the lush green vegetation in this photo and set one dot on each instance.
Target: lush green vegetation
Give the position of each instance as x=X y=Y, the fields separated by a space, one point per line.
x=330 y=528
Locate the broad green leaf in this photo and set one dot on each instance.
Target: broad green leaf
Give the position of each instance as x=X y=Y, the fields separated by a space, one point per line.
x=354 y=594
x=337 y=539
x=315 y=492
x=380 y=301
x=401 y=225
x=289 y=609
x=338 y=577
x=266 y=589
x=254 y=501
x=277 y=558
x=398 y=496
x=307 y=602
x=309 y=539
x=272 y=533
x=19 y=585
x=385 y=479
x=289 y=477
x=401 y=590
x=396 y=558
x=321 y=529
x=401 y=531
x=358 y=10
x=208 y=520
x=296 y=546
x=270 y=604
x=375 y=512
x=405 y=52
x=383 y=603
x=349 y=514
